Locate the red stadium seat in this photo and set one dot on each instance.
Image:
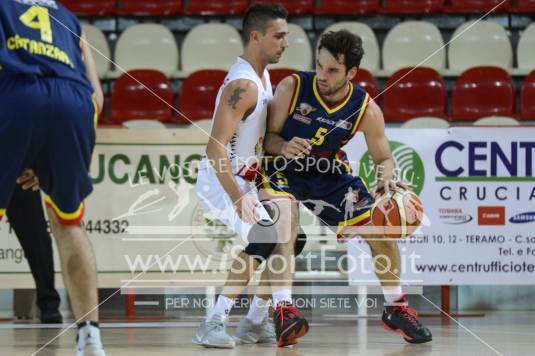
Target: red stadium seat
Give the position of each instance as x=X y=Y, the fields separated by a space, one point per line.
x=278 y=74
x=216 y=7
x=367 y=82
x=131 y=100
x=414 y=92
x=103 y=120
x=198 y=95
x=150 y=7
x=91 y=7
x=527 y=98
x=524 y=6
x=294 y=7
x=483 y=91
x=347 y=7
x=477 y=6
x=412 y=6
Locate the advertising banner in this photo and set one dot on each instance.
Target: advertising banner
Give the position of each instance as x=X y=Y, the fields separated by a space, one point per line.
x=476 y=184
x=478 y=191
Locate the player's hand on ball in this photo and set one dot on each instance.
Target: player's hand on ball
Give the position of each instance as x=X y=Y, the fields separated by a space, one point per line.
x=297 y=147
x=385 y=186
x=28 y=180
x=246 y=208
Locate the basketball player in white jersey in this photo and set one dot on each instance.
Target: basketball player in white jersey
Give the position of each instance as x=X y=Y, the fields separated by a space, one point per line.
x=226 y=179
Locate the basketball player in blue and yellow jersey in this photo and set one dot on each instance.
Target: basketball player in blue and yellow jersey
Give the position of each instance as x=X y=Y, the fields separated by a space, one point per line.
x=50 y=98
x=312 y=116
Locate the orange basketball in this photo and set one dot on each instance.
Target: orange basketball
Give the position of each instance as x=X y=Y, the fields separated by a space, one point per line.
x=398 y=213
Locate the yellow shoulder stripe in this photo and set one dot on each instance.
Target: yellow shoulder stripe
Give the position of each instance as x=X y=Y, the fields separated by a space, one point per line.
x=295 y=95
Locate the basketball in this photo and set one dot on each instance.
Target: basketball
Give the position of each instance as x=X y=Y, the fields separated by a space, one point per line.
x=398 y=213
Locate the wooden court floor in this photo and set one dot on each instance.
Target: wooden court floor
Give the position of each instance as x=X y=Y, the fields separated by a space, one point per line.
x=498 y=333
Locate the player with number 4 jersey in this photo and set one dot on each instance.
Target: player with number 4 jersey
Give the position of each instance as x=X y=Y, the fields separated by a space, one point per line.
x=50 y=99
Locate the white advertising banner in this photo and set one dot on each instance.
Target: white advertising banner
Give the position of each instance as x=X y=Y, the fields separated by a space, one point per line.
x=478 y=190
x=476 y=185
x=144 y=181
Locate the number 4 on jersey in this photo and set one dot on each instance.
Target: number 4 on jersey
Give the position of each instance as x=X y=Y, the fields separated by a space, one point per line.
x=37 y=17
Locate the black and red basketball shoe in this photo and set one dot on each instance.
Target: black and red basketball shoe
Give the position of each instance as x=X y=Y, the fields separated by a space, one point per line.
x=290 y=324
x=402 y=319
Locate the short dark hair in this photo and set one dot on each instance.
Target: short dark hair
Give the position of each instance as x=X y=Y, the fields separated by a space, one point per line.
x=258 y=16
x=344 y=43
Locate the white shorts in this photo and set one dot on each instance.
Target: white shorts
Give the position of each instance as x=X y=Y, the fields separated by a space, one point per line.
x=215 y=200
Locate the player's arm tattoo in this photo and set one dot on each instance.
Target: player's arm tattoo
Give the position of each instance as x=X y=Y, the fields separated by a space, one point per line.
x=235 y=97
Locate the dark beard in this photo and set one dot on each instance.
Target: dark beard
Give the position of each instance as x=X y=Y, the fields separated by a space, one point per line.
x=336 y=90
x=273 y=60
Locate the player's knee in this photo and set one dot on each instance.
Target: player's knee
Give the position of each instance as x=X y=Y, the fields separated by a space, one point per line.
x=381 y=245
x=281 y=213
x=61 y=228
x=52 y=217
x=262 y=240
x=259 y=251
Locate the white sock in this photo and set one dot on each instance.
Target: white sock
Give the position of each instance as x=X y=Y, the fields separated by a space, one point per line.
x=88 y=333
x=258 y=310
x=283 y=295
x=392 y=294
x=222 y=306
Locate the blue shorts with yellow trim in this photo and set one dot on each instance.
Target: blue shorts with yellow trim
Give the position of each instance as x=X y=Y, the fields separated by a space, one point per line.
x=48 y=125
x=338 y=200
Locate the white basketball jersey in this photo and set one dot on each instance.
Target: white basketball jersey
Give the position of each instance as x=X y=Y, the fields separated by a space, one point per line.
x=246 y=146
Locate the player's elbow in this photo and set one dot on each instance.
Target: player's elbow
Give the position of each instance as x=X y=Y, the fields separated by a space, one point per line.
x=267 y=139
x=270 y=142
x=214 y=150
x=210 y=152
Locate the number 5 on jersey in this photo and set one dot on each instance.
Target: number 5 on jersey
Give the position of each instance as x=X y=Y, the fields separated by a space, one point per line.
x=319 y=137
x=37 y=17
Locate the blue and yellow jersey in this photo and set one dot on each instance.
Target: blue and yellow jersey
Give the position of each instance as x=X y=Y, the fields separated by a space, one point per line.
x=321 y=181
x=330 y=126
x=41 y=38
